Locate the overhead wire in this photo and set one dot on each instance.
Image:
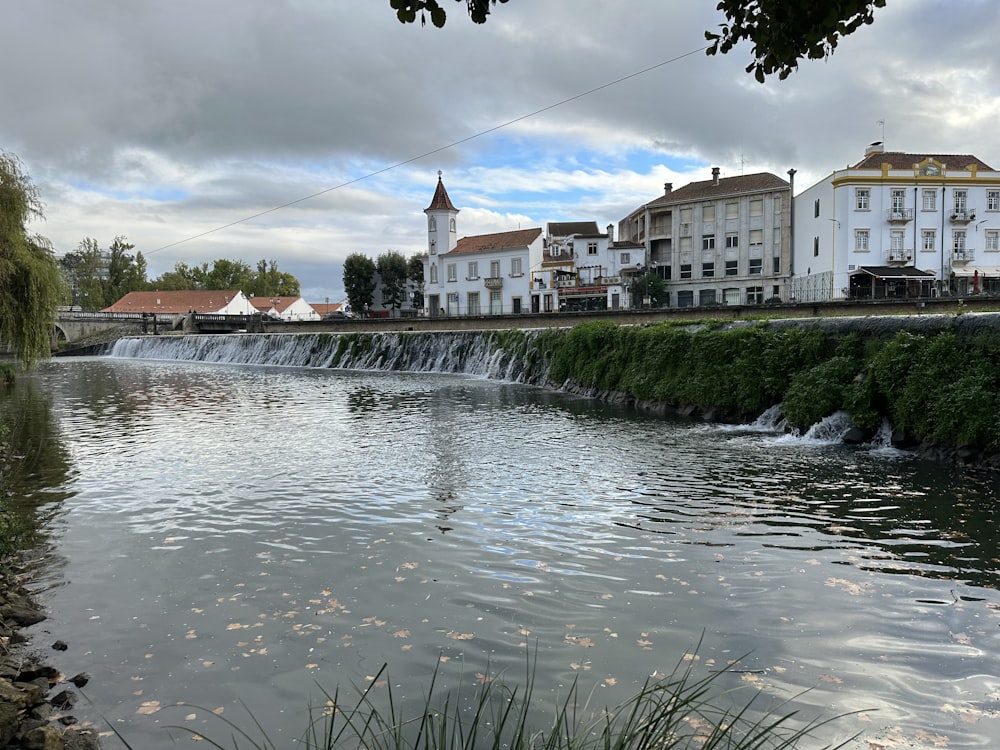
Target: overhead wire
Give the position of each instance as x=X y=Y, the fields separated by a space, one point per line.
x=437 y=150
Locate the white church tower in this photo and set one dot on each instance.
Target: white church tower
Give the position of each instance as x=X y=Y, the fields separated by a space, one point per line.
x=442 y=237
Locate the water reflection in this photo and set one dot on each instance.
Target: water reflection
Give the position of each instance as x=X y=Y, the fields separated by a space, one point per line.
x=240 y=534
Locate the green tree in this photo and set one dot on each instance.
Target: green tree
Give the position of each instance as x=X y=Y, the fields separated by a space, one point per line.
x=31 y=283
x=782 y=31
x=392 y=270
x=415 y=272
x=181 y=278
x=359 y=281
x=126 y=272
x=652 y=286
x=268 y=281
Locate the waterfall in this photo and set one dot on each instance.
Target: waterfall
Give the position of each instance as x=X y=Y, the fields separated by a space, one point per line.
x=483 y=354
x=830 y=429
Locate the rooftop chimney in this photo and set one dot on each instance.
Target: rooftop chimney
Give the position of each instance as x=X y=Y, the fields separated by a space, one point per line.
x=874 y=148
x=715 y=175
x=667 y=187
x=611 y=232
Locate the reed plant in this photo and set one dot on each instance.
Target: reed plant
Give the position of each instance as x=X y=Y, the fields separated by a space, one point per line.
x=683 y=711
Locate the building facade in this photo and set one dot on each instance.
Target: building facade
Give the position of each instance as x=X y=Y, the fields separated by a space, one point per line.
x=487 y=274
x=721 y=241
x=896 y=225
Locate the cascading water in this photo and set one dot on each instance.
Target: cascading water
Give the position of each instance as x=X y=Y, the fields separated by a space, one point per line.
x=471 y=353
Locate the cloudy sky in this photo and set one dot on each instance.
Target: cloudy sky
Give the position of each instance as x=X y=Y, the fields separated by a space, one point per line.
x=301 y=131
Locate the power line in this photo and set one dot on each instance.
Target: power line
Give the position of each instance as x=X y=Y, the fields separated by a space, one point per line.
x=424 y=155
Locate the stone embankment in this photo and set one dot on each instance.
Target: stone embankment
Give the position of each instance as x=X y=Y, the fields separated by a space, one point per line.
x=36 y=699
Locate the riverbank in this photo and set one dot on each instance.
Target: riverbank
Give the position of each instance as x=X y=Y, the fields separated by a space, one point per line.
x=36 y=698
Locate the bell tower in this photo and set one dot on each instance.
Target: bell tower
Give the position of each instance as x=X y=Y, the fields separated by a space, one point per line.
x=442 y=234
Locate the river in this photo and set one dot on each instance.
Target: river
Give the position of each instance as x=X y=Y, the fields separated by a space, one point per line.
x=239 y=538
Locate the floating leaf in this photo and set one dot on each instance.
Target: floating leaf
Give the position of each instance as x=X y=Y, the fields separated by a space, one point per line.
x=148 y=707
x=460 y=636
x=610 y=681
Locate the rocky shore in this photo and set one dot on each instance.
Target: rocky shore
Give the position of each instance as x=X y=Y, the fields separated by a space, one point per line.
x=36 y=698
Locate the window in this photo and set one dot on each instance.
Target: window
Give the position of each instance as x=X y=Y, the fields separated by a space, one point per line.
x=992 y=240
x=732 y=210
x=706 y=297
x=625 y=259
x=776 y=202
x=732 y=267
x=756 y=241
x=756 y=266
x=816 y=208
x=961 y=201
x=861 y=240
x=591 y=248
x=685 y=298
x=433 y=247
x=473 y=270
x=755 y=295
x=815 y=247
x=896 y=239
x=993 y=200
x=862 y=199
x=432 y=224
x=929 y=199
x=708 y=269
x=958 y=242
x=708 y=213
x=515 y=267
x=474 y=304
x=547 y=303
x=452 y=271
x=686 y=215
x=776 y=264
x=685 y=245
x=708 y=242
x=494 y=268
x=928 y=240
x=496 y=303
x=897 y=200
x=757 y=207
x=451 y=225
x=434 y=273
x=732 y=240
x=453 y=303
x=685 y=270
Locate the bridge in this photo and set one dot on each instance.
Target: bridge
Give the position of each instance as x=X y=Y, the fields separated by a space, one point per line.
x=72 y=326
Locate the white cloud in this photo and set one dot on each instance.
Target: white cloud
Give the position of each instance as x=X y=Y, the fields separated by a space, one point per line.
x=164 y=122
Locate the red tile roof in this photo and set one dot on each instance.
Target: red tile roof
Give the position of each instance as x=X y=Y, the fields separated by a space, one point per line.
x=280 y=304
x=900 y=160
x=500 y=241
x=205 y=301
x=440 y=201
x=705 y=189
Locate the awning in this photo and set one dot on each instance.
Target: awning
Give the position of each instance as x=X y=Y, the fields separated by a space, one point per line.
x=969 y=271
x=891 y=273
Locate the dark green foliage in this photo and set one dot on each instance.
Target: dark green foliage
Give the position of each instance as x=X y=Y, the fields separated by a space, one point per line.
x=940 y=387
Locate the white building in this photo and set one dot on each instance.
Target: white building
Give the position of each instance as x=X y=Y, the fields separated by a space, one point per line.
x=486 y=274
x=897 y=225
x=725 y=240
x=285 y=308
x=588 y=269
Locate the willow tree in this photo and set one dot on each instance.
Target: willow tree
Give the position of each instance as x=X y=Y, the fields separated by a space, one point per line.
x=31 y=283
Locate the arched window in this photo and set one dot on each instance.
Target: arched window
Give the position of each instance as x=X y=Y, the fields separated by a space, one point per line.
x=432 y=224
x=452 y=225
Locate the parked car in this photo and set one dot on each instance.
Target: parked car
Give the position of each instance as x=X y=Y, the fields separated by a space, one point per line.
x=338 y=315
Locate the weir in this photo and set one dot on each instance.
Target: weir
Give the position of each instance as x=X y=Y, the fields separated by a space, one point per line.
x=456 y=352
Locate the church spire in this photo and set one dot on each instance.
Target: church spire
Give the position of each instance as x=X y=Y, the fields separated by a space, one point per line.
x=441 y=201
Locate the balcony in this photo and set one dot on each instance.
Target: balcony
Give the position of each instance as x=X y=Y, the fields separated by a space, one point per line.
x=899 y=215
x=963 y=215
x=900 y=255
x=494 y=282
x=962 y=255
